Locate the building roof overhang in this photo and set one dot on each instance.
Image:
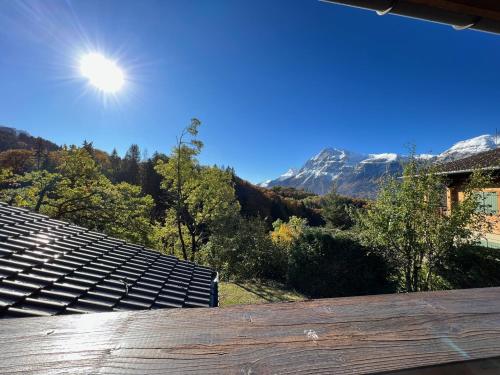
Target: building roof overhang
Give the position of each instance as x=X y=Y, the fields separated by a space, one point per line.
x=482 y=15
x=468 y=171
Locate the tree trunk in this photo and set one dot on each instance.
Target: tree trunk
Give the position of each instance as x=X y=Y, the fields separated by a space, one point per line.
x=179 y=198
x=42 y=194
x=408 y=277
x=181 y=238
x=416 y=277
x=428 y=280
x=193 y=246
x=39 y=201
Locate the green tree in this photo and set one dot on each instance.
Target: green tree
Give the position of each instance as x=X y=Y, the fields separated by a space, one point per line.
x=126 y=214
x=241 y=249
x=7 y=185
x=151 y=185
x=80 y=193
x=337 y=210
x=407 y=226
x=40 y=153
x=200 y=196
x=285 y=234
x=89 y=147
x=131 y=165
x=115 y=166
x=18 y=161
x=5 y=175
x=322 y=265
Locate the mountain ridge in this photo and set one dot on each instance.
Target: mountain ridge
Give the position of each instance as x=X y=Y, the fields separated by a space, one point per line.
x=358 y=175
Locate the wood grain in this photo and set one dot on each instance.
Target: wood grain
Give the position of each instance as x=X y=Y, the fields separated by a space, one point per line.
x=357 y=335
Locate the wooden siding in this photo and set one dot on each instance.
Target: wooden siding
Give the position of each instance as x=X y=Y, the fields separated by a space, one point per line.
x=356 y=335
x=455 y=194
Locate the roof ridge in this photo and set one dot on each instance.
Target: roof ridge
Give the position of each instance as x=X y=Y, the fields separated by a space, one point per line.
x=486 y=160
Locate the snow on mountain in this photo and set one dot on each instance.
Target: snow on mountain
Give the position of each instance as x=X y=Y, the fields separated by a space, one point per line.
x=468 y=147
x=290 y=173
x=329 y=162
x=425 y=156
x=381 y=158
x=358 y=175
x=326 y=168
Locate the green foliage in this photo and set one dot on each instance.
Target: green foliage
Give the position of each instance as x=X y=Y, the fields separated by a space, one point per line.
x=151 y=185
x=286 y=233
x=270 y=205
x=12 y=139
x=471 y=267
x=89 y=147
x=290 y=192
x=242 y=249
x=5 y=175
x=130 y=168
x=201 y=197
x=407 y=227
x=197 y=215
x=80 y=193
x=126 y=214
x=322 y=265
x=18 y=161
x=338 y=211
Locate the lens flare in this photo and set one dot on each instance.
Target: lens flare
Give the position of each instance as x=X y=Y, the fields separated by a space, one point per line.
x=102 y=73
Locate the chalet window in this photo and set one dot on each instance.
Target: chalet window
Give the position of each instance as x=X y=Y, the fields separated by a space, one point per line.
x=488 y=202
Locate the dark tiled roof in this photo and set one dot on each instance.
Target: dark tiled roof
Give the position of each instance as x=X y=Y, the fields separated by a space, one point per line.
x=483 y=160
x=49 y=267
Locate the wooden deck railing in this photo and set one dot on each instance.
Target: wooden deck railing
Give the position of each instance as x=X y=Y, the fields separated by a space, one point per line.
x=358 y=335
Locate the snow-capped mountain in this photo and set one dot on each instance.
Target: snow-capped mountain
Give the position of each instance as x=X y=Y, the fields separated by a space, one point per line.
x=358 y=175
x=352 y=173
x=468 y=147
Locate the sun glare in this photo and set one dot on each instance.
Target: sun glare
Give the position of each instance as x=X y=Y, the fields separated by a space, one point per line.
x=102 y=72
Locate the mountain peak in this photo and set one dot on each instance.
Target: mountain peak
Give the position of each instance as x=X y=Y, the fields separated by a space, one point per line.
x=329 y=152
x=358 y=174
x=468 y=147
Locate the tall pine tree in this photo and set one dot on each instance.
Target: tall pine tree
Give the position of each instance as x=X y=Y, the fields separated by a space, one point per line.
x=131 y=164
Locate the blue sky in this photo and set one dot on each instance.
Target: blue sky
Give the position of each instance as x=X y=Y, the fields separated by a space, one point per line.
x=273 y=81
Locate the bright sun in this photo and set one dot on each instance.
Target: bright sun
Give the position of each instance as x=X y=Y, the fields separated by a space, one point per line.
x=102 y=72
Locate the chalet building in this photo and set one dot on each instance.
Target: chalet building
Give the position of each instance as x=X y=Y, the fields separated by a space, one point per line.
x=50 y=267
x=457 y=173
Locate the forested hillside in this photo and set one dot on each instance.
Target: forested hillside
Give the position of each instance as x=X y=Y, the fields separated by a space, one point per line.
x=320 y=246
x=22 y=153
x=13 y=139
x=273 y=204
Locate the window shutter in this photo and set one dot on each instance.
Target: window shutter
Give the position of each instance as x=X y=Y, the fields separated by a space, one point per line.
x=488 y=202
x=491 y=199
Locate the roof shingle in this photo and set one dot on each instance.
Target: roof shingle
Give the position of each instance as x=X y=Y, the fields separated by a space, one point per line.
x=483 y=160
x=49 y=267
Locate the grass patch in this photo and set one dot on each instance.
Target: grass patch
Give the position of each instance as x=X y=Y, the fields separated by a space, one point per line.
x=255 y=292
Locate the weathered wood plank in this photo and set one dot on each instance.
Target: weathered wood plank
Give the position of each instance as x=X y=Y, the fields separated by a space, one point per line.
x=357 y=335
x=490 y=366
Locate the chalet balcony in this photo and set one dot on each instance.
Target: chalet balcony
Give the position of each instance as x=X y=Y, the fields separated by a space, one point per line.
x=447 y=332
